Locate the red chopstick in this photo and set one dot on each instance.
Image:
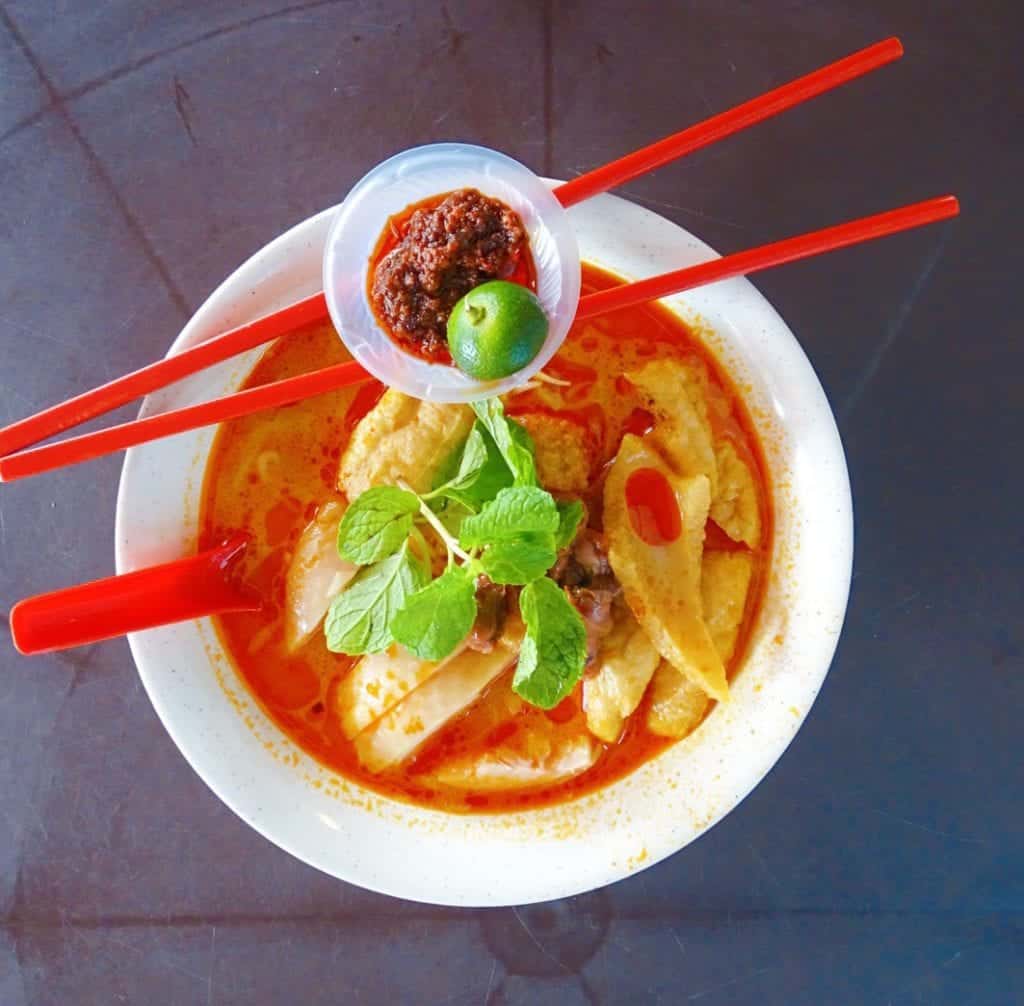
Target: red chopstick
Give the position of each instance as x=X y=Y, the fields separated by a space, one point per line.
x=293 y=389
x=157 y=375
x=726 y=123
x=142 y=431
x=765 y=256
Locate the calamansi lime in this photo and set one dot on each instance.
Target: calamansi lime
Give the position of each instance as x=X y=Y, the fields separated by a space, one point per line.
x=496 y=329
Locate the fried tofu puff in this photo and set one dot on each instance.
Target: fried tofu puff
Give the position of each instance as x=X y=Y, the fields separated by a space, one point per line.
x=402 y=439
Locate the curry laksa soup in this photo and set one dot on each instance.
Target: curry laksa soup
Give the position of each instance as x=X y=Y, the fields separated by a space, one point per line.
x=505 y=605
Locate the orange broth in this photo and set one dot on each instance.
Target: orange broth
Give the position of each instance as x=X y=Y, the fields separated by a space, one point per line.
x=268 y=474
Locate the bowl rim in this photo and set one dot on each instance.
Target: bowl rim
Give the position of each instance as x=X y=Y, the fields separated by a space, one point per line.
x=156 y=657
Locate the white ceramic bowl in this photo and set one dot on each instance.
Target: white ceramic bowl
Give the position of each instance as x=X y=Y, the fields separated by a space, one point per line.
x=506 y=859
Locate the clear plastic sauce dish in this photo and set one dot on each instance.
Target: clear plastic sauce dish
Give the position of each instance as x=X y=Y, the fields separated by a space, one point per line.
x=420 y=174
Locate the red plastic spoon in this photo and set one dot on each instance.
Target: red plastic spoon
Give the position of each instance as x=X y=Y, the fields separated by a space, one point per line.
x=203 y=584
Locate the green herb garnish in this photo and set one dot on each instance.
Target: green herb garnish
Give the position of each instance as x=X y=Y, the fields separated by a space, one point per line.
x=555 y=647
x=437 y=618
x=520 y=560
x=493 y=519
x=513 y=440
x=377 y=524
x=470 y=478
x=471 y=462
x=570 y=515
x=514 y=511
x=516 y=531
x=359 y=619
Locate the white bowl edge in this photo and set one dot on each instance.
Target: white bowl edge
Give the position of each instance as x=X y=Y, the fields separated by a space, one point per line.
x=476 y=860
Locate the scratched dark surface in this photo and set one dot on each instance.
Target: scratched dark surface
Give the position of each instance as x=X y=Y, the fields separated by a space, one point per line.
x=149 y=146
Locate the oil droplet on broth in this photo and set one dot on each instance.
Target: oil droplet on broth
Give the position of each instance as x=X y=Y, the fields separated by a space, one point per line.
x=653 y=510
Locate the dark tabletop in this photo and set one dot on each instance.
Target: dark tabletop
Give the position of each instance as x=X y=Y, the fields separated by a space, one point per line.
x=147 y=147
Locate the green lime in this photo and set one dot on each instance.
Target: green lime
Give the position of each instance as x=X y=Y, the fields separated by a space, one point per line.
x=496 y=330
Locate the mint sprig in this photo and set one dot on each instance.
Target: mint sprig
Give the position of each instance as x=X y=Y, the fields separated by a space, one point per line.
x=491 y=514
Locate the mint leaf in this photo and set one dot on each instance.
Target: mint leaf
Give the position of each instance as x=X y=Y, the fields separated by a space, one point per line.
x=454 y=481
x=472 y=460
x=474 y=457
x=513 y=440
x=451 y=513
x=513 y=512
x=521 y=436
x=359 y=619
x=494 y=476
x=437 y=618
x=570 y=514
x=376 y=524
x=554 y=649
x=517 y=528
x=520 y=560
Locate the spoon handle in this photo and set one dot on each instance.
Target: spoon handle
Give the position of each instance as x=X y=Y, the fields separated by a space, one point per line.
x=177 y=591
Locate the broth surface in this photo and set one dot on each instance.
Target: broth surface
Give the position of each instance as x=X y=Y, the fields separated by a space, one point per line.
x=268 y=474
